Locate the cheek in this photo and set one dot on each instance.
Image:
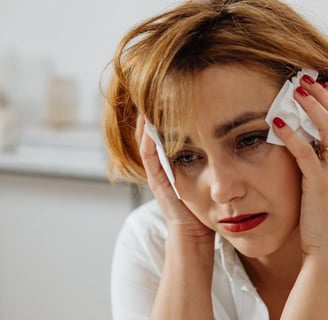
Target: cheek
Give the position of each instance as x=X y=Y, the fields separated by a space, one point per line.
x=196 y=196
x=286 y=183
x=201 y=211
x=277 y=179
x=288 y=171
x=188 y=187
x=292 y=185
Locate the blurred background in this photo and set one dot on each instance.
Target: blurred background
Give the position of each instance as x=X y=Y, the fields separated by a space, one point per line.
x=59 y=216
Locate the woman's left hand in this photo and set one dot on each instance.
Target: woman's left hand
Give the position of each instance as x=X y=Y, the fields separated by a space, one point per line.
x=313 y=97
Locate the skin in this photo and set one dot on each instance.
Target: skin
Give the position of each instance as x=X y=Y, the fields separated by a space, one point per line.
x=237 y=173
x=227 y=179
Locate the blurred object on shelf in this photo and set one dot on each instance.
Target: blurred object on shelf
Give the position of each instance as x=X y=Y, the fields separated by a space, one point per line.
x=69 y=152
x=24 y=80
x=8 y=133
x=74 y=137
x=62 y=102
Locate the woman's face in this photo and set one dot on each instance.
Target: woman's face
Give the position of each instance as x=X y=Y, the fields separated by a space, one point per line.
x=227 y=170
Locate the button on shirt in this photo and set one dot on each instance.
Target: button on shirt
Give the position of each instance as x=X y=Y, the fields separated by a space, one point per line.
x=137 y=265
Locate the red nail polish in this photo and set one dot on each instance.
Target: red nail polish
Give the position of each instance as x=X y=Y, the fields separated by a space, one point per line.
x=308 y=79
x=324 y=84
x=278 y=122
x=302 y=92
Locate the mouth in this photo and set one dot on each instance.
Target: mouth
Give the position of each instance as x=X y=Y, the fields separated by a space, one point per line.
x=243 y=222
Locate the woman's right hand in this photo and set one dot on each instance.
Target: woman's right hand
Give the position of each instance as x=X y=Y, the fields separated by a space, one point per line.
x=178 y=217
x=189 y=250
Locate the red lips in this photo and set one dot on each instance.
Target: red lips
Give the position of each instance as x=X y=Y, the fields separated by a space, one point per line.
x=243 y=222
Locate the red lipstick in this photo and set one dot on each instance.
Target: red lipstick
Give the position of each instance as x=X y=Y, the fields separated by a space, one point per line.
x=243 y=222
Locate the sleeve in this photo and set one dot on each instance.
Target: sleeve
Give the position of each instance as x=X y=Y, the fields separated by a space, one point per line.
x=137 y=263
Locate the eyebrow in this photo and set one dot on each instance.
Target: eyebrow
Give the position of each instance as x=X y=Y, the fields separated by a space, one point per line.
x=223 y=129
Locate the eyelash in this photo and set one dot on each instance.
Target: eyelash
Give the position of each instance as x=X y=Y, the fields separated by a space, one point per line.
x=244 y=143
x=256 y=138
x=186 y=159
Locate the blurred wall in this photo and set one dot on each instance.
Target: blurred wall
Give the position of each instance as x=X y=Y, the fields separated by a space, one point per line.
x=56 y=242
x=65 y=38
x=57 y=234
x=75 y=39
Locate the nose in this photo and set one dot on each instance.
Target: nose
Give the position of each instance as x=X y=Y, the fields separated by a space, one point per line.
x=227 y=183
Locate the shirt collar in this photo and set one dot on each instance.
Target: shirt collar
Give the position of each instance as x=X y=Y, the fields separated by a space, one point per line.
x=232 y=265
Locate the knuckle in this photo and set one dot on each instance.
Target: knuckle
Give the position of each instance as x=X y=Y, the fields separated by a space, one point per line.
x=323 y=134
x=325 y=94
x=306 y=151
x=312 y=103
x=323 y=89
x=289 y=136
x=322 y=95
x=158 y=183
x=147 y=149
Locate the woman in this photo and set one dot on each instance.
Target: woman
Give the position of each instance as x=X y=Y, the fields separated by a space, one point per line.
x=247 y=239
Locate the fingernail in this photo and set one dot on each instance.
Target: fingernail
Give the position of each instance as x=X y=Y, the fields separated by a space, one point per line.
x=302 y=92
x=278 y=122
x=308 y=79
x=324 y=84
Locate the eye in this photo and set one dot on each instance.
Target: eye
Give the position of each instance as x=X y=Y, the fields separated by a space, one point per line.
x=186 y=159
x=251 y=140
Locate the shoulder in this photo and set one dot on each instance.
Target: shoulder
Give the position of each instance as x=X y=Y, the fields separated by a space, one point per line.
x=142 y=237
x=137 y=262
x=146 y=219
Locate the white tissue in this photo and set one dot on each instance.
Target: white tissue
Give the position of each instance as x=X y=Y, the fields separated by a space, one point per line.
x=287 y=108
x=152 y=132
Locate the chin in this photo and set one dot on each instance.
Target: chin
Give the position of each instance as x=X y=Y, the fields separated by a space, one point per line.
x=251 y=253
x=255 y=250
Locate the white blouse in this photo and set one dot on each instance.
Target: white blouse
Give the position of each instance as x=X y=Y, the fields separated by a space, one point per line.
x=138 y=262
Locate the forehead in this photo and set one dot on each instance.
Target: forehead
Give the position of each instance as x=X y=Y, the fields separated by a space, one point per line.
x=218 y=94
x=228 y=89
x=229 y=81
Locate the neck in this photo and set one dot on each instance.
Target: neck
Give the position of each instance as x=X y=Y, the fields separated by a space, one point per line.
x=274 y=275
x=279 y=268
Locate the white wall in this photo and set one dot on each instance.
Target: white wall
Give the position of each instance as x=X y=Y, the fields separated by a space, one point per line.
x=56 y=245
x=78 y=37
x=314 y=10
x=57 y=235
x=73 y=38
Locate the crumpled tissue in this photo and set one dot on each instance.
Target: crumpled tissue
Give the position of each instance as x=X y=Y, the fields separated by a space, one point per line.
x=165 y=163
x=287 y=108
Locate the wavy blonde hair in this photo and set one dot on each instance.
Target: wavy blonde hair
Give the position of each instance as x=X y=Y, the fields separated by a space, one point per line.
x=156 y=62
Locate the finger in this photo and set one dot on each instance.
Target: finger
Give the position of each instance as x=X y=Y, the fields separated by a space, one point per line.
x=324 y=85
x=306 y=157
x=314 y=108
x=139 y=128
x=317 y=90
